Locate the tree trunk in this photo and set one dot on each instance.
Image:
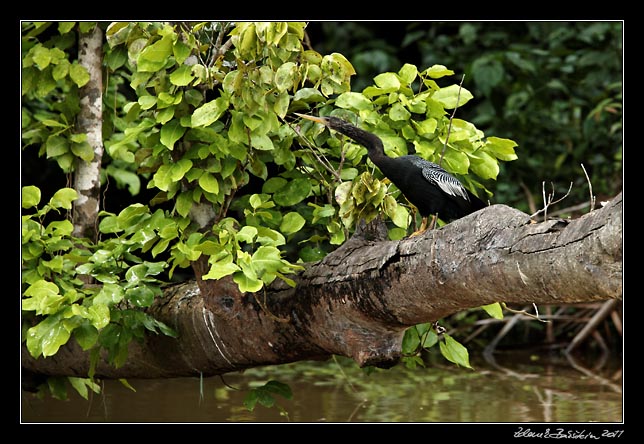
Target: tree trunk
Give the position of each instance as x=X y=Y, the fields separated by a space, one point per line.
x=90 y=121
x=359 y=300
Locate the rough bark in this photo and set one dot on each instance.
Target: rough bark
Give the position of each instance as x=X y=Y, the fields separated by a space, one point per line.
x=358 y=301
x=89 y=121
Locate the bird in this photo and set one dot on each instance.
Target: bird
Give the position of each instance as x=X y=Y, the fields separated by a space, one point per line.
x=426 y=185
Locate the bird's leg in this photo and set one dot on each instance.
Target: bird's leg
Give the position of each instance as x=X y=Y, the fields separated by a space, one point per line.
x=433 y=224
x=423 y=227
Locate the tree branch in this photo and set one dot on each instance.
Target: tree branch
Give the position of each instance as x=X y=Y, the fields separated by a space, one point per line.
x=90 y=121
x=360 y=299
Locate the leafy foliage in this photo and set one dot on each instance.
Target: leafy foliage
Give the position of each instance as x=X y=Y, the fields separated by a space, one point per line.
x=264 y=394
x=58 y=305
x=554 y=87
x=198 y=115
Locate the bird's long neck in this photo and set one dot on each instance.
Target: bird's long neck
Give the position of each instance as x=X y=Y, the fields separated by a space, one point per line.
x=368 y=140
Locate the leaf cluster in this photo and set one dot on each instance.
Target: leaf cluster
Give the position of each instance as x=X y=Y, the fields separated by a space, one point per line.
x=408 y=110
x=198 y=113
x=57 y=303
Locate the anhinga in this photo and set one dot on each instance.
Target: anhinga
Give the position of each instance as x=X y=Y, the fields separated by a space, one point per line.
x=431 y=189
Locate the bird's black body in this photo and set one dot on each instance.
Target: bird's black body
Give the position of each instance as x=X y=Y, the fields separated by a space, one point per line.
x=426 y=185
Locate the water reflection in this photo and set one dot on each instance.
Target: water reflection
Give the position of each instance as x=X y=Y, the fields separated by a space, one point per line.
x=337 y=391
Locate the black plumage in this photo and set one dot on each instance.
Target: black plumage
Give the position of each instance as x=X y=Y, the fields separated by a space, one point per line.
x=431 y=189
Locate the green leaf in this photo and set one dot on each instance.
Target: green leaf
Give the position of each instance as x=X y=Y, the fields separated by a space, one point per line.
x=292 y=223
x=128 y=217
x=78 y=74
x=264 y=394
x=262 y=142
x=209 y=183
x=246 y=234
x=63 y=198
x=247 y=282
x=47 y=337
x=147 y=101
x=117 y=33
x=487 y=73
x=388 y=81
x=438 y=71
x=126 y=384
x=86 y=335
x=451 y=95
x=285 y=76
x=408 y=73
x=308 y=95
x=281 y=105
x=79 y=385
x=255 y=201
x=454 y=352
x=397 y=213
x=83 y=150
x=182 y=76
x=398 y=112
x=494 y=310
x=208 y=113
x=250 y=400
x=293 y=192
x=431 y=338
x=140 y=296
x=125 y=178
x=410 y=341
x=456 y=161
x=502 y=149
x=484 y=165
x=109 y=295
x=183 y=204
x=56 y=146
x=42 y=297
x=427 y=126
x=353 y=100
x=41 y=56
x=221 y=268
x=30 y=196
x=273 y=184
x=266 y=236
x=154 y=57
x=279 y=388
x=179 y=169
x=171 y=132
x=109 y=224
x=266 y=260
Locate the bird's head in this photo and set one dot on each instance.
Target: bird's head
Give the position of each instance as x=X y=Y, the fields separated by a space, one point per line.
x=335 y=123
x=364 y=138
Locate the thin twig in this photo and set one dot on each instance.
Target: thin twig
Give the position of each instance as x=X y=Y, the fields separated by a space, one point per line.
x=548 y=202
x=449 y=128
x=223 y=381
x=590 y=189
x=604 y=311
x=322 y=160
x=335 y=360
x=523 y=312
x=264 y=307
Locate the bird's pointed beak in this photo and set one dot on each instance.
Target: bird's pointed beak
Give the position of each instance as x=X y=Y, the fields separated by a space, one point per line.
x=313 y=118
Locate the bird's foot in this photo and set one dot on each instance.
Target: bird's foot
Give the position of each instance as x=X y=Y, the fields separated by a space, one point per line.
x=421 y=230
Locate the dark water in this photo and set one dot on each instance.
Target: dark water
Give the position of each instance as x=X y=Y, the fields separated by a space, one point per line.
x=523 y=390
